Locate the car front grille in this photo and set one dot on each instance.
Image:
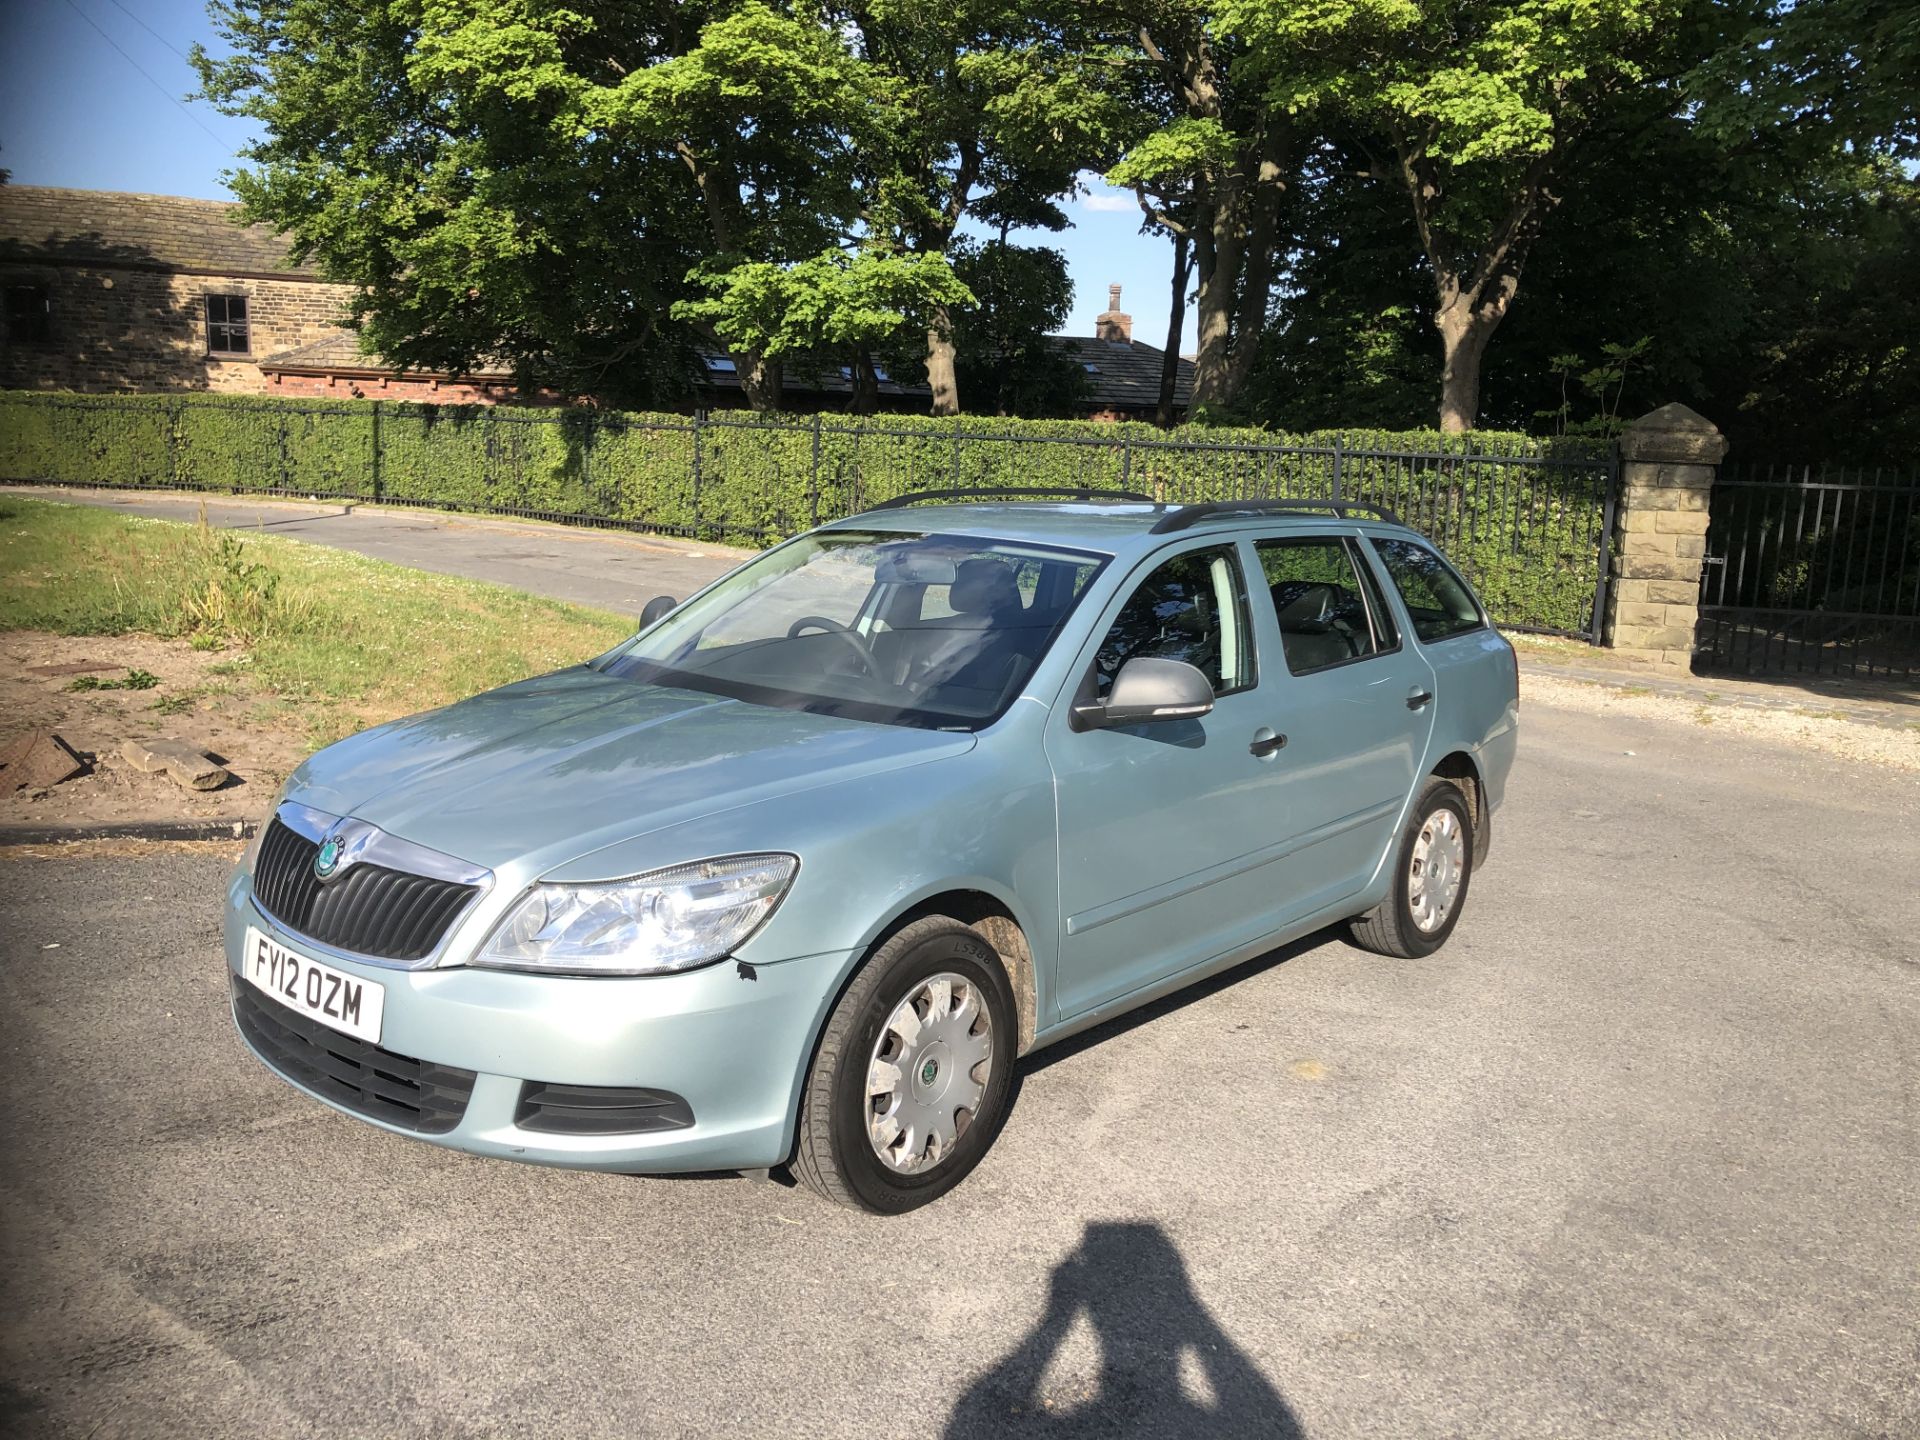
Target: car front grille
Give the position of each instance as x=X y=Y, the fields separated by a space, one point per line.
x=413 y=1094
x=598 y=1110
x=367 y=909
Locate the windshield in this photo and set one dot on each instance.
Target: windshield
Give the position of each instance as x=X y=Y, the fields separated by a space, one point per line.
x=932 y=630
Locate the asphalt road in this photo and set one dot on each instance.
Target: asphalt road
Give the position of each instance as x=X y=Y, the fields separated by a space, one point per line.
x=608 y=568
x=1635 y=1155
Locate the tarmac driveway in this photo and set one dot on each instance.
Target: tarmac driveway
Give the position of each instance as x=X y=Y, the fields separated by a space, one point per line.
x=1636 y=1154
x=612 y=569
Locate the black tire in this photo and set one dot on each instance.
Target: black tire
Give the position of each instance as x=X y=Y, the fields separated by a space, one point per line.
x=1389 y=928
x=834 y=1156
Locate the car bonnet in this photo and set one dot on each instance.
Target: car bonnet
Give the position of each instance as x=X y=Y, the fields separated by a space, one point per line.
x=547 y=770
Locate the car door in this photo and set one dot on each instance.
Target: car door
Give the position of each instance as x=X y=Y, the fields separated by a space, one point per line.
x=1475 y=672
x=1356 y=703
x=1162 y=825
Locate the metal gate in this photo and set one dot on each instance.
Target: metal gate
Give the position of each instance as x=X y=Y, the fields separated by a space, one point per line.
x=1812 y=571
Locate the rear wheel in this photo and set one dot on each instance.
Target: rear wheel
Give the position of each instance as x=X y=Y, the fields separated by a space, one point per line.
x=1432 y=867
x=912 y=1079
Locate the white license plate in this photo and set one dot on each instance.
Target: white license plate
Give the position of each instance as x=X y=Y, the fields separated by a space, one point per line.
x=336 y=999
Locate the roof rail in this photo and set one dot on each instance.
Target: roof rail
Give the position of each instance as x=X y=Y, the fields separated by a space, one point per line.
x=1190 y=515
x=1073 y=492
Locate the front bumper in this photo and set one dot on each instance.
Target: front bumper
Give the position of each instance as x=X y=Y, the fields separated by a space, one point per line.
x=733 y=1043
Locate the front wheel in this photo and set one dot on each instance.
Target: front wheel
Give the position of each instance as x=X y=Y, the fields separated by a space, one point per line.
x=1432 y=866
x=914 y=1072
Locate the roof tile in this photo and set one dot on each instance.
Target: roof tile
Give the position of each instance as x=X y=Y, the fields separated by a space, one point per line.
x=1124 y=374
x=163 y=232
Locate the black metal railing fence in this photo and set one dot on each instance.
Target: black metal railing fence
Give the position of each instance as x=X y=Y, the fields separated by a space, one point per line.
x=1812 y=569
x=1527 y=520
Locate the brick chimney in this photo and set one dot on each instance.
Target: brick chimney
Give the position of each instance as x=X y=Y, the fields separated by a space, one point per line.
x=1113 y=325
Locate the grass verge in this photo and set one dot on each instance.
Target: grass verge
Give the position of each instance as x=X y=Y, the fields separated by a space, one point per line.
x=327 y=640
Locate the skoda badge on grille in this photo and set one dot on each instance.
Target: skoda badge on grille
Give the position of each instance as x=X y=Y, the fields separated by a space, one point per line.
x=328 y=860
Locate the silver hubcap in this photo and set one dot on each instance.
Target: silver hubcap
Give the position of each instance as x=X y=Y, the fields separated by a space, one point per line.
x=1439 y=860
x=928 y=1073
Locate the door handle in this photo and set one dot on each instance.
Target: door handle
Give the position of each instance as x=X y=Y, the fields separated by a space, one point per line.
x=1266 y=743
x=1417 y=698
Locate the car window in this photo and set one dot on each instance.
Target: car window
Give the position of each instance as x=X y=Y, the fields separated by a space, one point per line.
x=1328 y=612
x=837 y=622
x=835 y=587
x=1192 y=608
x=1438 y=600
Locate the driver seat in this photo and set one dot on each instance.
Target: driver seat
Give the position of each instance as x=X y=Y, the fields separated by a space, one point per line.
x=978 y=644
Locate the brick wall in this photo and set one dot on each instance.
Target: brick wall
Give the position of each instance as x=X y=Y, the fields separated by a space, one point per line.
x=127 y=329
x=430 y=392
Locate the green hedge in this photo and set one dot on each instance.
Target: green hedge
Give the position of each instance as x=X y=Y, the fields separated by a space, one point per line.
x=1521 y=515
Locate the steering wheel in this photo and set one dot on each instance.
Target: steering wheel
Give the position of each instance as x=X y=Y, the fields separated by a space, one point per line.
x=855 y=641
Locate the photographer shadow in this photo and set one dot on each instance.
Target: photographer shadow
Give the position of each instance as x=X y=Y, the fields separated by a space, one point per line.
x=1166 y=1367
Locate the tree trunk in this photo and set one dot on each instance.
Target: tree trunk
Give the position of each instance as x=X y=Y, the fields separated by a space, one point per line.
x=866 y=385
x=1216 y=219
x=940 y=376
x=1219 y=245
x=760 y=378
x=1472 y=301
x=1466 y=320
x=1464 y=333
x=1262 y=207
x=1176 y=323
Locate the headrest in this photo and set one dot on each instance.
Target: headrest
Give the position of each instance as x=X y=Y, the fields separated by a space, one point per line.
x=1310 y=605
x=983 y=586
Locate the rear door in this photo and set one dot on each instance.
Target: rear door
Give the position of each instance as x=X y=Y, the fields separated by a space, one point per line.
x=1355 y=700
x=1475 y=671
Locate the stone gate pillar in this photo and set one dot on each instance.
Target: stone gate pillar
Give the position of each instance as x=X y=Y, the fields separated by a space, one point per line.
x=1667 y=464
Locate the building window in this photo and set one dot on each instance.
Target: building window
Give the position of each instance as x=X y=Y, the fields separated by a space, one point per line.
x=29 y=315
x=227 y=325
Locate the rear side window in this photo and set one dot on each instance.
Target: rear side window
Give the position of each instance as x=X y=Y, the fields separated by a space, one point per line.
x=1437 y=599
x=1192 y=608
x=1328 y=610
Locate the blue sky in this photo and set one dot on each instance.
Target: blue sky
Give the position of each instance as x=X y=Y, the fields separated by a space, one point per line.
x=76 y=111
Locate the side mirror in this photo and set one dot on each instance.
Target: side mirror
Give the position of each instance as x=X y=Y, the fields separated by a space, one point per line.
x=1147 y=690
x=656 y=607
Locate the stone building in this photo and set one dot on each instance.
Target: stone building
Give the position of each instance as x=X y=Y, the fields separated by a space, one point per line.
x=106 y=291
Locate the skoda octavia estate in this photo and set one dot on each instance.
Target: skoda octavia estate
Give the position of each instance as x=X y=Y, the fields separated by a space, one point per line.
x=794 y=876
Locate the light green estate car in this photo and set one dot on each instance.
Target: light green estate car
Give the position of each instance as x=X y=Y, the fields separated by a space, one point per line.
x=793 y=877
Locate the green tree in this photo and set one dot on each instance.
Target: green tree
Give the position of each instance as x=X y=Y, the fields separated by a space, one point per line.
x=1212 y=170
x=993 y=108
x=766 y=110
x=1777 y=291
x=1002 y=353
x=833 y=304
x=1469 y=111
x=1845 y=71
x=1829 y=367
x=535 y=181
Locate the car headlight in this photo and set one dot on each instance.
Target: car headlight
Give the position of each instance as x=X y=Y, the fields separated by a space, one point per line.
x=653 y=924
